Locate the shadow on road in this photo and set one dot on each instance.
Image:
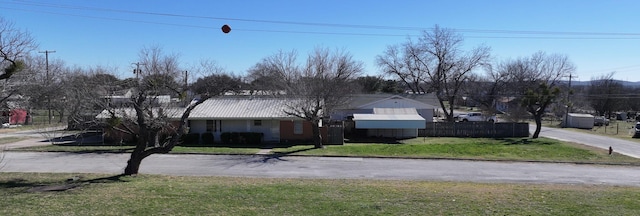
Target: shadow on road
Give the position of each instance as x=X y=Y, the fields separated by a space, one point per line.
x=278 y=156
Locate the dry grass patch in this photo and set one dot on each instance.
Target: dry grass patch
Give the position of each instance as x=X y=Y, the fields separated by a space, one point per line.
x=177 y=195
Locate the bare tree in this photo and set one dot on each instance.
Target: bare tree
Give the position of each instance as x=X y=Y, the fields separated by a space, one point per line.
x=275 y=73
x=15 y=44
x=314 y=89
x=437 y=59
x=403 y=62
x=604 y=94
x=536 y=80
x=486 y=90
x=146 y=117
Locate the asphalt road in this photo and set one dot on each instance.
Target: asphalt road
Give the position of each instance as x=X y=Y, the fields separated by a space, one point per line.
x=326 y=168
x=621 y=146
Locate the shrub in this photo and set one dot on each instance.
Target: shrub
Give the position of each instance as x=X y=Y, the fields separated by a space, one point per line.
x=207 y=139
x=241 y=137
x=190 y=139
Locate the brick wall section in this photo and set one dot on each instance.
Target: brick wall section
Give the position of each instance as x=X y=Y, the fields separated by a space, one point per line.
x=287 y=135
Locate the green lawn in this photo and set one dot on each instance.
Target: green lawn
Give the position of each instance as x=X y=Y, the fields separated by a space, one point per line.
x=514 y=149
x=175 y=195
x=541 y=149
x=6 y=140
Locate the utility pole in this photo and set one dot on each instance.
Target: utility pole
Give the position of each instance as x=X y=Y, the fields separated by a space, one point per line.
x=137 y=70
x=566 y=117
x=186 y=86
x=46 y=56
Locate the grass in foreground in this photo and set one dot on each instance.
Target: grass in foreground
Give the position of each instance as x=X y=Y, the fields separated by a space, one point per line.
x=541 y=149
x=171 y=195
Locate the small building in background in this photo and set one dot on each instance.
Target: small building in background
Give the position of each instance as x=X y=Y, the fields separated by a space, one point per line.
x=14 y=116
x=578 y=120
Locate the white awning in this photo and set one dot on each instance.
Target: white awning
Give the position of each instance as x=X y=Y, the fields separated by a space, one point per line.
x=389 y=121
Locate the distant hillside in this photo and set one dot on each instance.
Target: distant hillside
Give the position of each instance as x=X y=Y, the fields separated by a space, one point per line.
x=624 y=83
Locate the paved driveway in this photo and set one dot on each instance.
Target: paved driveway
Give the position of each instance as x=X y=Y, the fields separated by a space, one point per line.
x=625 y=147
x=326 y=168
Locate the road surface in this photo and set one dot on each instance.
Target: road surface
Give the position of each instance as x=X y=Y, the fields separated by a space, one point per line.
x=326 y=168
x=629 y=148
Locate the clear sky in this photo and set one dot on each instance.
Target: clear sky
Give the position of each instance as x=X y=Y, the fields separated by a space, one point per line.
x=598 y=36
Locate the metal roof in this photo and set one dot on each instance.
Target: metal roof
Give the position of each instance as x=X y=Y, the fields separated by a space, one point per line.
x=242 y=108
x=386 y=117
x=358 y=100
x=395 y=111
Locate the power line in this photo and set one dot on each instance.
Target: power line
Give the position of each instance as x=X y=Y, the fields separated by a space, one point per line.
x=620 y=35
x=322 y=33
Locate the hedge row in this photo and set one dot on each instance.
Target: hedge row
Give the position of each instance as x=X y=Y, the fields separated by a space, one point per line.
x=241 y=137
x=207 y=139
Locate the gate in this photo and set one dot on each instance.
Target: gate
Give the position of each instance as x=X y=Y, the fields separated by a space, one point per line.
x=335 y=133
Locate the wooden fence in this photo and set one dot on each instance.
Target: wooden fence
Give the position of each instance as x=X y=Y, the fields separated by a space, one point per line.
x=474 y=129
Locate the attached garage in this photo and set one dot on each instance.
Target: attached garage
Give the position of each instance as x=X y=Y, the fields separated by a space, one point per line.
x=390 y=122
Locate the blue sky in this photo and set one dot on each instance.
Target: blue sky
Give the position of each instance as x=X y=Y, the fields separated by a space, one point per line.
x=112 y=32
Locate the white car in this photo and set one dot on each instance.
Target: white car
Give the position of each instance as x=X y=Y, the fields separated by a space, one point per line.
x=476 y=116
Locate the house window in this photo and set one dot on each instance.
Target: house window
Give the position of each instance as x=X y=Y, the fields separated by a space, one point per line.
x=257 y=122
x=211 y=126
x=297 y=127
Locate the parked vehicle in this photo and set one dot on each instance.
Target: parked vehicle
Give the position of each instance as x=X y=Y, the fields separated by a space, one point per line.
x=600 y=121
x=637 y=130
x=476 y=116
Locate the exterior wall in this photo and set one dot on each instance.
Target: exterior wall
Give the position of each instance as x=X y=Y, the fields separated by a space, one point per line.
x=14 y=116
x=580 y=121
x=270 y=128
x=397 y=133
x=388 y=124
x=287 y=132
x=341 y=115
x=427 y=114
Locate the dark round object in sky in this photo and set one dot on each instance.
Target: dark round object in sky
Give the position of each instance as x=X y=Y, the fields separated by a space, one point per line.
x=226 y=29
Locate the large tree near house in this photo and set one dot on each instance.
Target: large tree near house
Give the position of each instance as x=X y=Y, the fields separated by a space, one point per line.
x=313 y=89
x=435 y=59
x=146 y=118
x=536 y=79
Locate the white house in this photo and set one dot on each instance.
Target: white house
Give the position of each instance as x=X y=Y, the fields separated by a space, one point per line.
x=249 y=114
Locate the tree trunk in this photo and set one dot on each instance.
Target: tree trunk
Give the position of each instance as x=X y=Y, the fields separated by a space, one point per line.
x=538 y=119
x=317 y=137
x=133 y=164
x=61 y=116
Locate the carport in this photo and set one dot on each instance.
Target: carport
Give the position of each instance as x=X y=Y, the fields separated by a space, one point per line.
x=390 y=122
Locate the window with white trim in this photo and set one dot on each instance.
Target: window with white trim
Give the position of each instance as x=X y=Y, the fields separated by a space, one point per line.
x=297 y=127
